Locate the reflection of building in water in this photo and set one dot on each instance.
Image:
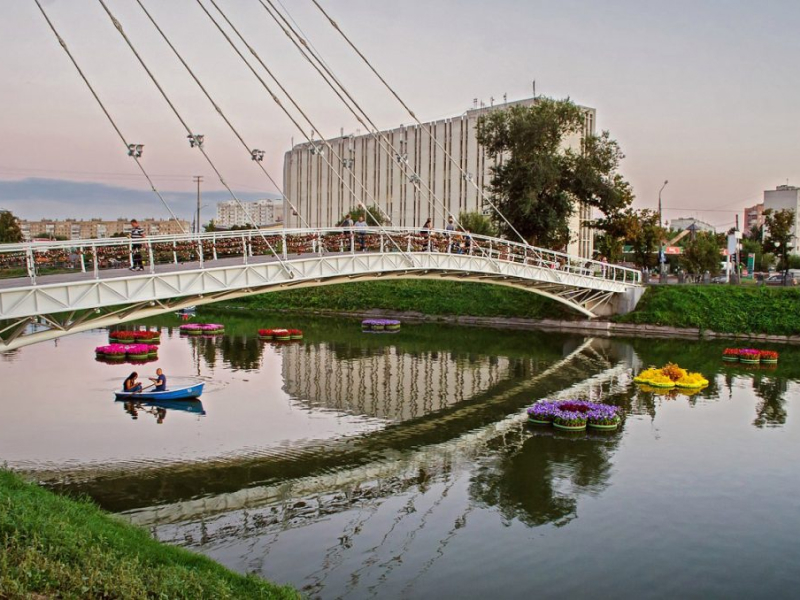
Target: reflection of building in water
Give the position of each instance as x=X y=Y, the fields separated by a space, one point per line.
x=388 y=383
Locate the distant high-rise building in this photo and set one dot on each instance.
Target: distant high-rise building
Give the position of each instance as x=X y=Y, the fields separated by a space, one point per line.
x=261 y=213
x=781 y=198
x=753 y=217
x=376 y=175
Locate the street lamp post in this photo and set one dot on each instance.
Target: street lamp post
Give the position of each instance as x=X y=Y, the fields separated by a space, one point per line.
x=662 y=259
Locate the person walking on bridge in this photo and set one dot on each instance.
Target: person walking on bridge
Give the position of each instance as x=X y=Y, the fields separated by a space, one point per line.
x=136 y=233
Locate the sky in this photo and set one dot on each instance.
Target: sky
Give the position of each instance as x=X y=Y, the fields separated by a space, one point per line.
x=700 y=93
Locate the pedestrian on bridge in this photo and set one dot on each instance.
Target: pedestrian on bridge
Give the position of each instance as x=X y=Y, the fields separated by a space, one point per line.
x=136 y=233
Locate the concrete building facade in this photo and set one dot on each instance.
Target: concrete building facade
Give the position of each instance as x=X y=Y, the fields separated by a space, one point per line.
x=753 y=217
x=76 y=229
x=260 y=213
x=324 y=185
x=786 y=197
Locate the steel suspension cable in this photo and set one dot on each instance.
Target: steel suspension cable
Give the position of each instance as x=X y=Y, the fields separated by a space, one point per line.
x=198 y=143
x=307 y=49
x=128 y=147
x=301 y=44
x=335 y=25
x=220 y=112
x=291 y=117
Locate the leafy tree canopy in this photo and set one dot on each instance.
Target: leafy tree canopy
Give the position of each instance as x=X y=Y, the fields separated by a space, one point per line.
x=478 y=223
x=779 y=236
x=701 y=254
x=540 y=179
x=373 y=215
x=10 y=232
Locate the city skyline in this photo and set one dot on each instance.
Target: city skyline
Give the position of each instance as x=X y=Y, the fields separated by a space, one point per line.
x=696 y=93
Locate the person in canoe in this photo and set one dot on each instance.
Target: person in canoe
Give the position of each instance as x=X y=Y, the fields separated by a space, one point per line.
x=160 y=381
x=131 y=384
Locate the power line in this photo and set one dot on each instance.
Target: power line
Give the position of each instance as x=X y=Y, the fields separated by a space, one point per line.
x=134 y=150
x=195 y=140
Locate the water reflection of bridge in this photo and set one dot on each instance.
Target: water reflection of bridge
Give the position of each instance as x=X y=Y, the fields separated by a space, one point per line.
x=534 y=479
x=389 y=470
x=389 y=383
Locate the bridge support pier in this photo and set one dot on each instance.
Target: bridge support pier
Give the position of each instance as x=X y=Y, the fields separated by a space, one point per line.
x=622 y=304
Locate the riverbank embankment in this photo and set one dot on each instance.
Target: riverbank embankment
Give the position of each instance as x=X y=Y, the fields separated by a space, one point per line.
x=57 y=547
x=686 y=311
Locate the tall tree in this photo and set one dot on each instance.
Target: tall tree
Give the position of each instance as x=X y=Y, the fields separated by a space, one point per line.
x=477 y=223
x=10 y=232
x=374 y=218
x=539 y=179
x=779 y=225
x=701 y=254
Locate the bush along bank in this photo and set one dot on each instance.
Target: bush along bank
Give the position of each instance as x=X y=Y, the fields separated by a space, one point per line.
x=56 y=547
x=721 y=308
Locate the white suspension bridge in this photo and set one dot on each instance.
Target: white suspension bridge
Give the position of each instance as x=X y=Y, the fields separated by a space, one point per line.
x=77 y=285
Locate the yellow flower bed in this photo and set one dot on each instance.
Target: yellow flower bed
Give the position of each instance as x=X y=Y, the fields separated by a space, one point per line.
x=671 y=375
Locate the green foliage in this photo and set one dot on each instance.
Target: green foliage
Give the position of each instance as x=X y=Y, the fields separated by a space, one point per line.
x=538 y=182
x=10 y=232
x=374 y=218
x=210 y=226
x=725 y=309
x=779 y=234
x=701 y=254
x=477 y=223
x=640 y=229
x=427 y=297
x=54 y=547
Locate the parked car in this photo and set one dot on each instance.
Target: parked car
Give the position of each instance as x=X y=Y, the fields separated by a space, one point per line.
x=719 y=279
x=777 y=279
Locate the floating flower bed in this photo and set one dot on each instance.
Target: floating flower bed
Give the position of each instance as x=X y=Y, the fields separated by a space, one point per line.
x=281 y=335
x=768 y=357
x=670 y=376
x=202 y=329
x=380 y=325
x=120 y=352
x=574 y=415
x=730 y=355
x=750 y=356
x=131 y=337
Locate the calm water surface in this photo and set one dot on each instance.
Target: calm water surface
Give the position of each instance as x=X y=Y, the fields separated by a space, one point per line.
x=353 y=465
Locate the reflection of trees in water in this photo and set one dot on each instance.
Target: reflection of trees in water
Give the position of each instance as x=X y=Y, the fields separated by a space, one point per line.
x=771 y=411
x=539 y=481
x=242 y=352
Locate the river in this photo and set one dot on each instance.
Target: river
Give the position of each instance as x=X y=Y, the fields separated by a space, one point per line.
x=353 y=465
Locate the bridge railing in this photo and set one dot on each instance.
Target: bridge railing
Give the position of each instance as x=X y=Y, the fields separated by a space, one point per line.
x=34 y=259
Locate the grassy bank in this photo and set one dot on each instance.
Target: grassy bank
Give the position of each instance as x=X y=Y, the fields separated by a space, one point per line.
x=721 y=308
x=427 y=297
x=54 y=547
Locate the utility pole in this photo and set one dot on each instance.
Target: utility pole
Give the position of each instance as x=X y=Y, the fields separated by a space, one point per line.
x=197 y=179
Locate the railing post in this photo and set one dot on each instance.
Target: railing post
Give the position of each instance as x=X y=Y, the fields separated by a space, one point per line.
x=151 y=256
x=200 y=251
x=283 y=245
x=174 y=252
x=130 y=253
x=244 y=249
x=83 y=261
x=383 y=241
x=214 y=246
x=95 y=263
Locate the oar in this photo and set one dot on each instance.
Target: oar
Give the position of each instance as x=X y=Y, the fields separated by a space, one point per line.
x=144 y=388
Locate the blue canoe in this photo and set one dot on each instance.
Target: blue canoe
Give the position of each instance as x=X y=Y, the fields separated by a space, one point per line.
x=183 y=393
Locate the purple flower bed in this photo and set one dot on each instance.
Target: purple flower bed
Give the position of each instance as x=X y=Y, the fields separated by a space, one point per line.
x=112 y=350
x=574 y=413
x=379 y=324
